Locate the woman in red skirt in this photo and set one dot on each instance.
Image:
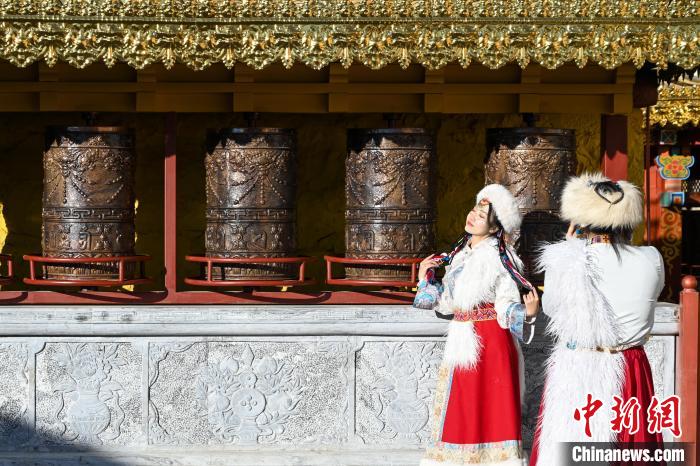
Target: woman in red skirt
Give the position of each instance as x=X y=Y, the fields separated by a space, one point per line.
x=599 y=293
x=478 y=396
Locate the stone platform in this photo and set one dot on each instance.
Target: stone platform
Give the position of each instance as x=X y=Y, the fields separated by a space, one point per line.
x=245 y=385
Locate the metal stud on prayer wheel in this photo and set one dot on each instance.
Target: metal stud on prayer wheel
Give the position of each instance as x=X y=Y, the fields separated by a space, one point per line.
x=88 y=202
x=250 y=188
x=389 y=199
x=534 y=164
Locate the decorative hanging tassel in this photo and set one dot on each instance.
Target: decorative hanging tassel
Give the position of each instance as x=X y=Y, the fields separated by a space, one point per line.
x=448 y=256
x=508 y=263
x=502 y=252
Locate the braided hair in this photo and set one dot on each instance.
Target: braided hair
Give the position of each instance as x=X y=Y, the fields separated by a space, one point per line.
x=504 y=254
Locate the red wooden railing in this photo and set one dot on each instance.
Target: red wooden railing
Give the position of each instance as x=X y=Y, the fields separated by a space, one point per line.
x=687 y=367
x=121 y=261
x=411 y=262
x=211 y=262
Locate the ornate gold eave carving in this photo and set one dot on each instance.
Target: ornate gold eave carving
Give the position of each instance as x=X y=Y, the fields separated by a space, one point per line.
x=678 y=105
x=432 y=33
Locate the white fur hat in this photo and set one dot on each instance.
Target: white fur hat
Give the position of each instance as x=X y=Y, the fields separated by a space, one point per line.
x=593 y=200
x=504 y=205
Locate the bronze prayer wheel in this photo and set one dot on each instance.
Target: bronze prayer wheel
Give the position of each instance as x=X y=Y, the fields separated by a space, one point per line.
x=88 y=202
x=534 y=164
x=389 y=199
x=250 y=189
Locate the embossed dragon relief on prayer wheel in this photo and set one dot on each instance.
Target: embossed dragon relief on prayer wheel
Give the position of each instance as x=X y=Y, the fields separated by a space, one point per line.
x=534 y=164
x=88 y=200
x=250 y=189
x=389 y=199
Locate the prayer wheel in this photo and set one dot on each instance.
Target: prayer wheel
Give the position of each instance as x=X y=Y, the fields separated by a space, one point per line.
x=389 y=199
x=534 y=164
x=88 y=201
x=250 y=189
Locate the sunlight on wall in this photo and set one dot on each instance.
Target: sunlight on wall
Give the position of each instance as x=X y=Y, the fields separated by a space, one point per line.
x=3 y=228
x=136 y=238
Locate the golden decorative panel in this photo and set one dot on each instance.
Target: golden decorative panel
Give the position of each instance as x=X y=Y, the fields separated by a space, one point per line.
x=432 y=33
x=678 y=104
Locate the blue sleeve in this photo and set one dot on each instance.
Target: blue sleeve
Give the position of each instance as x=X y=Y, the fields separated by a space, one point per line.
x=515 y=318
x=428 y=294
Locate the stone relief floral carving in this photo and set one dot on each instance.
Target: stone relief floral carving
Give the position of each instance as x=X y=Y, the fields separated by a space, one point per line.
x=389 y=386
x=346 y=376
x=249 y=401
x=13 y=399
x=157 y=353
x=656 y=349
x=90 y=386
x=401 y=391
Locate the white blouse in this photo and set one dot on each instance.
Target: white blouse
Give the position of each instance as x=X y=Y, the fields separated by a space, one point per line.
x=631 y=285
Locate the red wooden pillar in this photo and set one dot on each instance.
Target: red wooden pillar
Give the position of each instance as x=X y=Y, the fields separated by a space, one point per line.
x=170 y=209
x=665 y=228
x=613 y=146
x=687 y=374
x=656 y=188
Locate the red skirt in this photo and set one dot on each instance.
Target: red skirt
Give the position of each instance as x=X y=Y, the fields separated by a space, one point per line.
x=638 y=383
x=484 y=403
x=478 y=410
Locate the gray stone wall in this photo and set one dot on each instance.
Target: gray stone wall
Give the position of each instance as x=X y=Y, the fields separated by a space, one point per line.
x=204 y=385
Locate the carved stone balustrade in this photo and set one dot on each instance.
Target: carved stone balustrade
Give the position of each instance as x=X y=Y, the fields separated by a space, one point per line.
x=223 y=385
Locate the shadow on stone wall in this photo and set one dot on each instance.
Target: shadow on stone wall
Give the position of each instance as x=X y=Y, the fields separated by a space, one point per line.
x=536 y=354
x=22 y=445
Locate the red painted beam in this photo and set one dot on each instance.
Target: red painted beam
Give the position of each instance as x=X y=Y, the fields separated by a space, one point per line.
x=613 y=146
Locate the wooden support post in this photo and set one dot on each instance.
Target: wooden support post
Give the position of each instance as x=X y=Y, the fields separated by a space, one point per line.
x=48 y=101
x=613 y=146
x=687 y=373
x=170 y=208
x=243 y=101
x=623 y=102
x=338 y=102
x=530 y=103
x=433 y=103
x=146 y=96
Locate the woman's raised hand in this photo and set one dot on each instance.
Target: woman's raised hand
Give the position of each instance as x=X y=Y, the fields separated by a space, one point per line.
x=532 y=303
x=428 y=263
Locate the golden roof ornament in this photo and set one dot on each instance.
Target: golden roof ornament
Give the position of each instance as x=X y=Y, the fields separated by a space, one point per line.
x=432 y=33
x=678 y=105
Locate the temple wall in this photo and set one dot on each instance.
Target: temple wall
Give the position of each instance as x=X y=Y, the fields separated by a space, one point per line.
x=338 y=385
x=460 y=146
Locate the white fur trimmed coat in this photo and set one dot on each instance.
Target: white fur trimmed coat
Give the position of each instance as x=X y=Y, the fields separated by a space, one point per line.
x=476 y=276
x=581 y=318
